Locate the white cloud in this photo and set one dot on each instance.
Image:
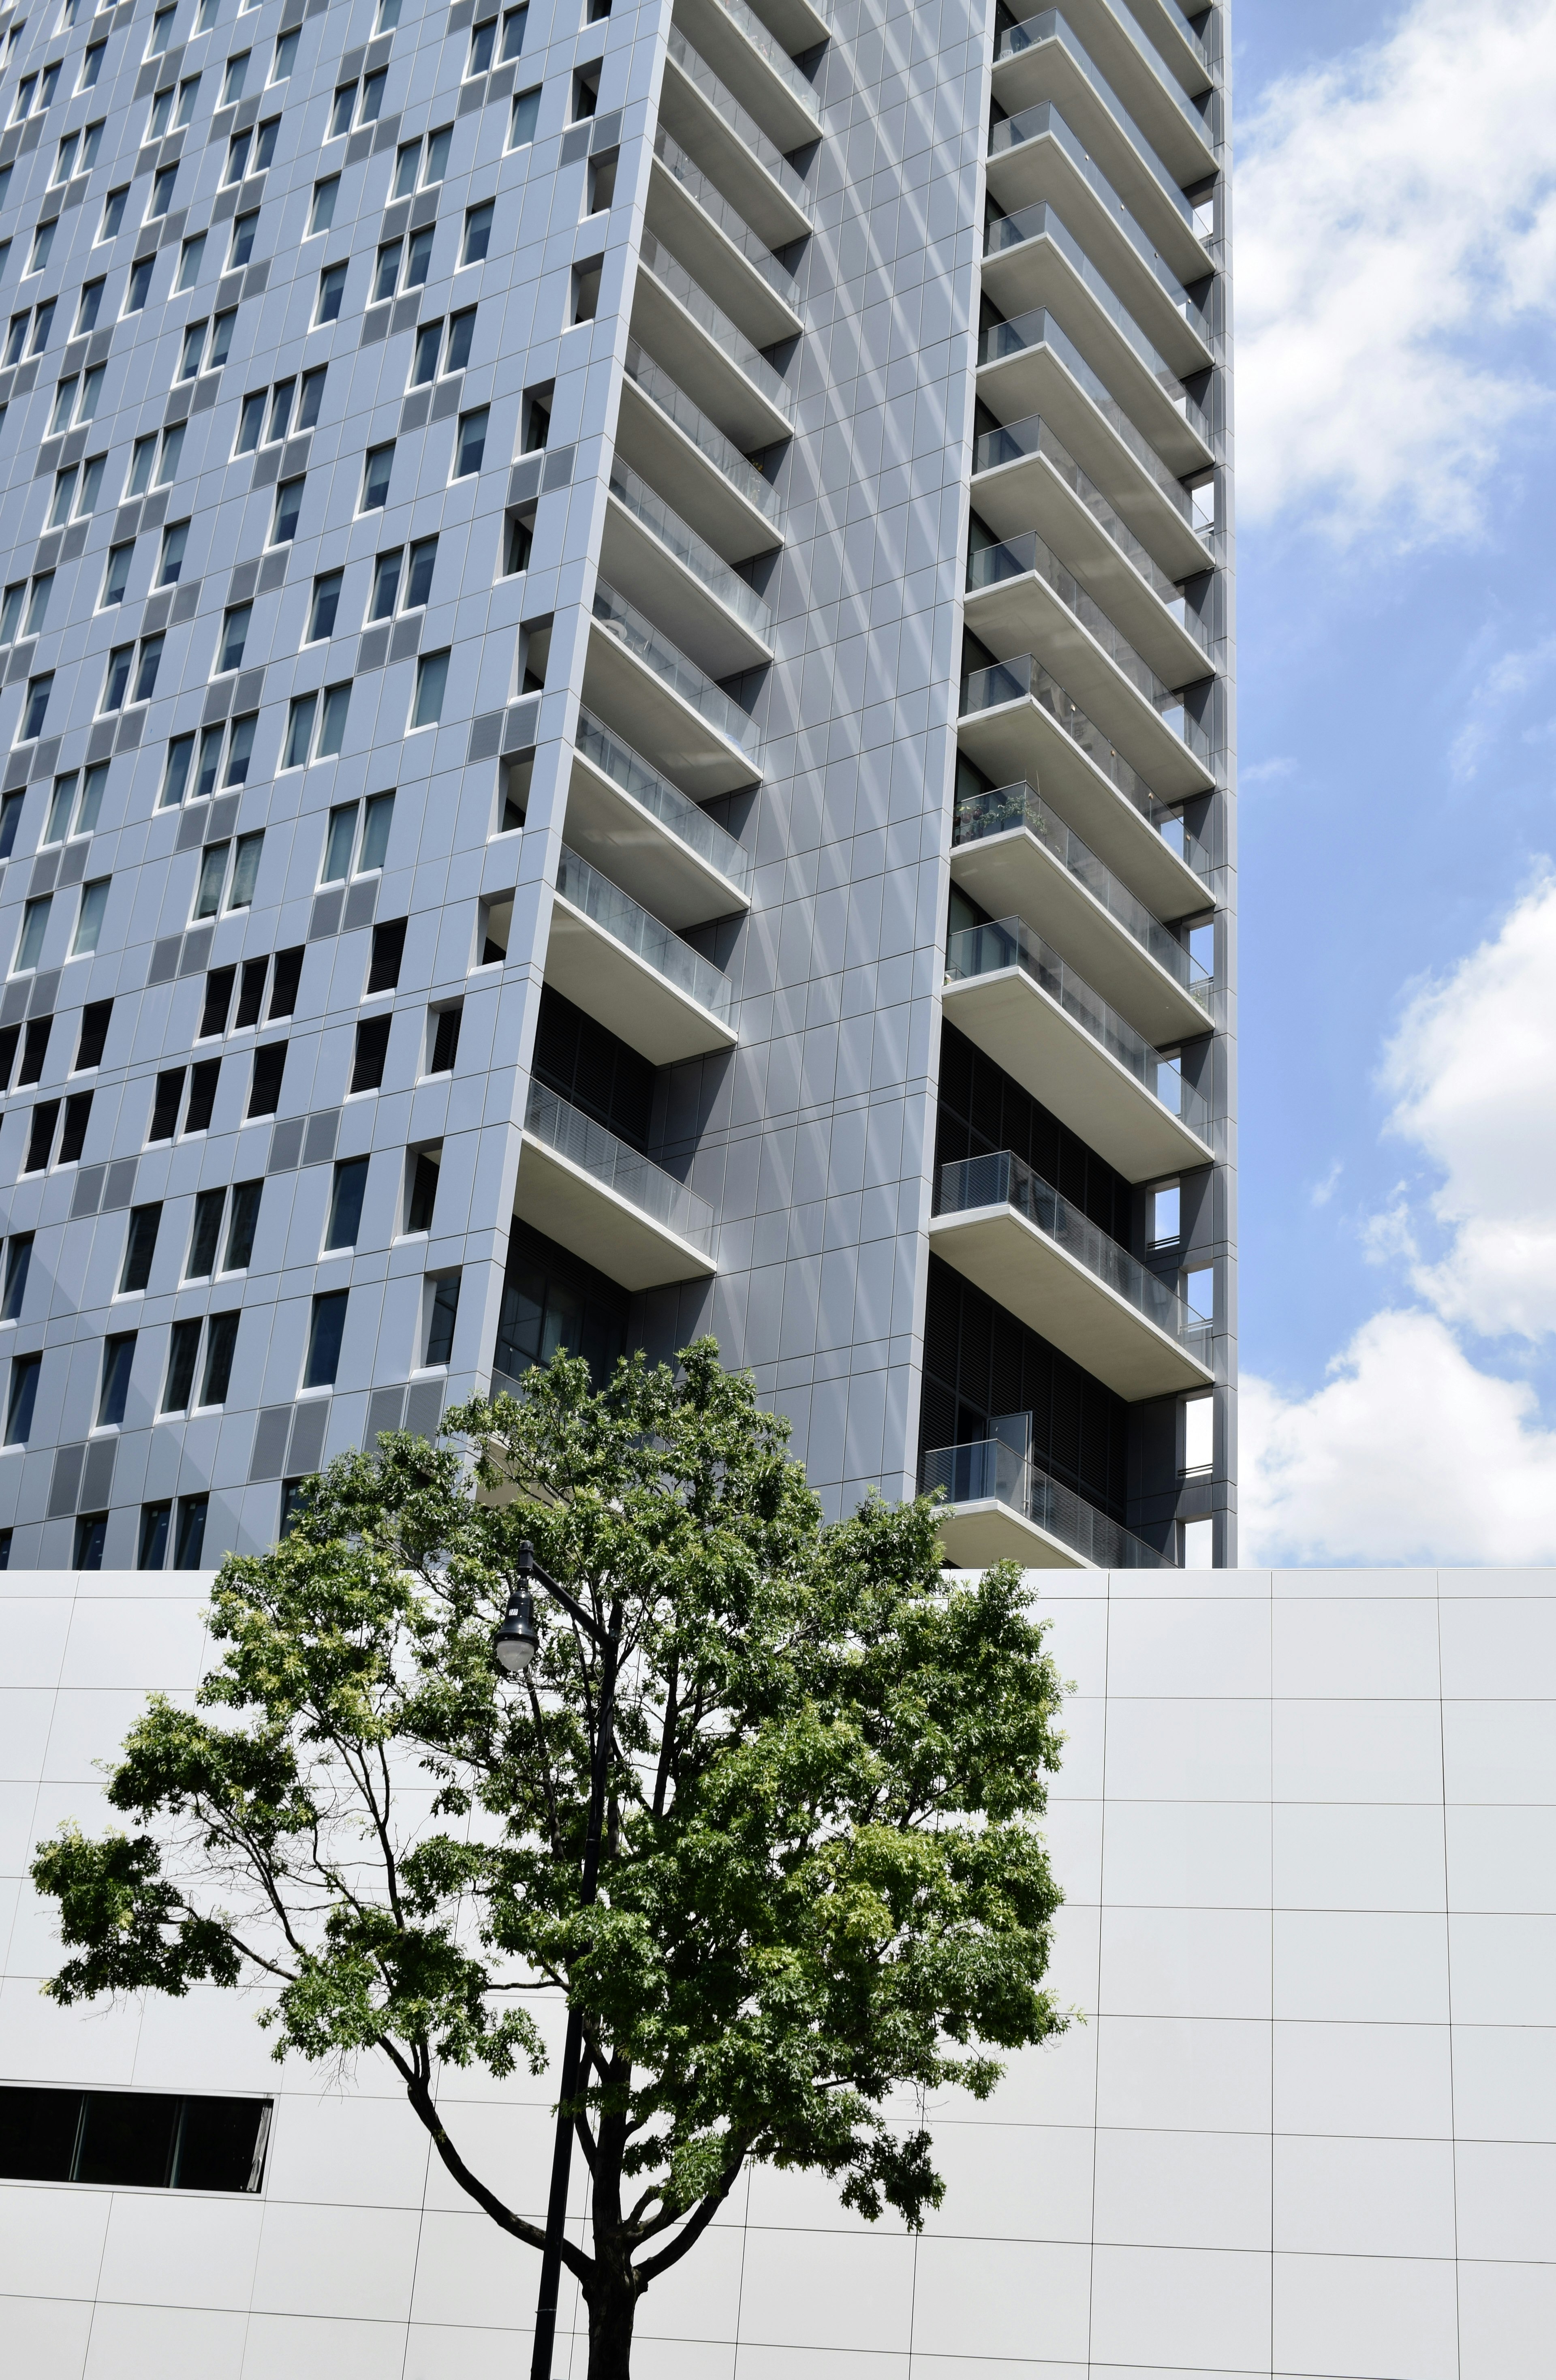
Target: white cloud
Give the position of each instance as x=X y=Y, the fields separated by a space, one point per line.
x=1391 y=209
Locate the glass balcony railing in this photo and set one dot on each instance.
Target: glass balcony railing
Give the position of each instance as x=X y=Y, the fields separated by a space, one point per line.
x=978 y=815
x=1002 y=233
x=1013 y=440
x=668 y=803
x=717 y=207
x=731 y=341
x=626 y=921
x=1031 y=123
x=1038 y=329
x=619 y=1167
x=776 y=56
x=647 y=505
x=740 y=121
x=705 y=436
x=1009 y=942
x=1003 y=1179
x=1050 y=25
x=989 y=1472
x=626 y=624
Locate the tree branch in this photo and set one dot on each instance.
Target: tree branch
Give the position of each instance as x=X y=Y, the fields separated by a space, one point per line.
x=697 y=2223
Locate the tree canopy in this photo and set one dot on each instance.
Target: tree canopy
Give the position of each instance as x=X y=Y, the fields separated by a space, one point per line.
x=821 y=1885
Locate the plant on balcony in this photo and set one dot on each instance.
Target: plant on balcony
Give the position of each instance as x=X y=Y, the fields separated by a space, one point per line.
x=820 y=1881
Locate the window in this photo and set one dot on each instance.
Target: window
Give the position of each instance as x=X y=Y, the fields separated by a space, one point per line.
x=251 y=993
x=191 y=256
x=118 y=1355
x=219 y=984
x=244 y=1224
x=388 y=15
x=116 y=577
x=345 y=1204
x=340 y=115
x=43 y=323
x=176 y=776
x=325 y=1333
x=422 y=1188
x=522 y=120
x=35 y=1051
x=332 y=722
x=534 y=417
x=444 y=1037
x=43 y=241
x=373 y=1050
x=193 y=348
x=113 y=211
x=376 y=824
x=285 y=55
x=212 y=876
x=92 y=1535
x=602 y=181
x=246 y=870
x=1198 y=1433
x=424 y=359
x=477 y=234
x=18 y=1257
x=375 y=478
x=150 y=663
x=139 y=288
x=176 y=540
x=36 y=708
x=237 y=157
x=292 y=1491
x=155 y=1520
x=189 y=91
x=34 y=926
x=91 y=65
x=586 y=93
x=470 y=450
x=10 y=819
x=251 y=421
x=93 y=1035
x=140 y=1239
x=232 y=82
x=244 y=229
x=332 y=291
x=72 y=1140
x=206 y=14
x=462 y=330
x=191 y=1532
x=88 y=921
x=442 y=1313
x=1164 y=1224
x=162 y=31
x=270 y=1064
x=281 y=409
x=586 y=290
x=326 y=606
x=418 y=585
x=325 y=193
x=22 y=1399
x=183 y=1355
x=235 y=636
x=165 y=1105
x=419 y=259
x=483 y=47
x=90 y=306
x=372 y=96
x=299 y=731
x=514 y=23
x=10 y=610
x=313 y=397
x=172 y=448
x=91 y=141
x=288 y=511
x=45 y=1115
x=389 y=951
x=432 y=677
x=221 y=1345
x=162 y=185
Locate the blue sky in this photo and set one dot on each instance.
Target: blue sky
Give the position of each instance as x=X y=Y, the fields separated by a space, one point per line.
x=1396 y=274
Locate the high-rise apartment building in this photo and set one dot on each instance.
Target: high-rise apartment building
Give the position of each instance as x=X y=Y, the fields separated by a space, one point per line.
x=617 y=720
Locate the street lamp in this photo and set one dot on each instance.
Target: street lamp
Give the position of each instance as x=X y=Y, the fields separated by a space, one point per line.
x=513 y=1647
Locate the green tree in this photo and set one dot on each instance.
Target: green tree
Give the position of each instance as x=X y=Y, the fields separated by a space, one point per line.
x=821 y=1883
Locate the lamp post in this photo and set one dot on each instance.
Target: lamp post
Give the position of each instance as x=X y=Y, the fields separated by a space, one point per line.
x=515 y=1645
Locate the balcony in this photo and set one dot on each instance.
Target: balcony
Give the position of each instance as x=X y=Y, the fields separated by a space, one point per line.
x=1012 y=995
x=694 y=339
x=663 y=704
x=1035 y=156
x=668 y=437
x=1021 y=598
x=1008 y=849
x=1033 y=366
x=1010 y=1234
x=1018 y=723
x=640 y=831
x=706 y=118
x=738 y=270
x=622 y=967
x=593 y=1194
x=1032 y=262
x=1025 y=478
x=660 y=563
x=1000 y=1507
x=754 y=66
x=1140 y=125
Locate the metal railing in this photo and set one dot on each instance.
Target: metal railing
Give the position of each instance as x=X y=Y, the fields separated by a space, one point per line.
x=978 y=815
x=1003 y=1179
x=1035 y=123
x=730 y=341
x=651 y=377
x=619 y=1167
x=1010 y=942
x=1038 y=328
x=702 y=560
x=1050 y=25
x=671 y=666
x=1023 y=674
x=674 y=809
x=772 y=51
x=628 y=922
x=717 y=207
x=1030 y=557
x=1004 y=233
x=1010 y=441
x=989 y=1472
x=767 y=152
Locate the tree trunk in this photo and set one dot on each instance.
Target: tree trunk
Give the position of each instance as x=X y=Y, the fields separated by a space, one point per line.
x=612 y=2314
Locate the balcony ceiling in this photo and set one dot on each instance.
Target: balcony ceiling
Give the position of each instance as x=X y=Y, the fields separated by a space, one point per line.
x=638 y=852
x=633 y=560
x=569 y=1205
x=657 y=722
x=624 y=992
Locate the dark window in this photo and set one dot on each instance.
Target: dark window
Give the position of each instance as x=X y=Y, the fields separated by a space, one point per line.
x=10 y=819
x=250 y=422
x=472 y=445
x=445 y=1312
x=35 y=1049
x=292 y=1497
x=9 y=1035
x=588 y=1066
x=386 y=585
x=251 y=993
x=270 y=1064
x=23 y=1397
x=221 y=1343
x=118 y=1355
x=345 y=1204
x=164 y=1106
x=325 y=1333
x=19 y=1257
x=552 y=1300
x=245 y=1221
x=326 y=603
x=332 y=291
x=91 y=1532
x=372 y=1048
x=206 y=1237
x=424 y=358
x=78 y=1114
x=283 y=983
x=424 y=553
x=288 y=511
x=445 y=1040
x=141 y=1244
x=45 y=1115
x=154 y=1523
x=388 y=949
x=462 y=330
x=95 y=1034
x=191 y=1532
x=312 y=398
x=217 y=1000
x=183 y=1355
x=202 y=1095
x=424 y=1192
x=375 y=481
x=477 y=234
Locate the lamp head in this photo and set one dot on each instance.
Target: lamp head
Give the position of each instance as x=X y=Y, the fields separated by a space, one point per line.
x=517 y=1641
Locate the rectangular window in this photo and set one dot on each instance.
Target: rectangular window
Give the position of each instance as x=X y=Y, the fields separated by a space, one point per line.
x=285 y=982
x=118 y=1356
x=299 y=731
x=325 y=193
x=88 y=921
x=89 y=307
x=326 y=606
x=233 y=82
x=462 y=330
x=116 y=577
x=183 y=1355
x=190 y=1543
x=45 y=1115
x=436 y=162
x=235 y=636
x=386 y=272
x=288 y=511
x=242 y=250
x=43 y=586
x=154 y=1523
x=36 y=708
x=205 y=1240
x=73 y=1139
x=172 y=447
x=34 y=926
x=419 y=586
x=372 y=96
x=115 y=682
x=162 y=185
x=150 y=663
x=389 y=951
x=113 y=211
x=212 y=876
x=240 y=749
x=221 y=1345
x=373 y=1050
x=245 y=1222
x=203 y=1080
x=18 y=1257
x=251 y=993
x=246 y=870
x=418 y=260
x=192 y=351
x=444 y=1039
x=376 y=824
x=422 y=1196
x=470 y=450
x=91 y=1535
x=140 y=286
x=325 y=1333
x=313 y=397
x=1198 y=1433
x=22 y=1399
x=285 y=55
x=477 y=234
x=270 y=1064
x=386 y=584
x=375 y=478
x=483 y=47
x=35 y=1051
x=250 y=422
x=340 y=115
x=441 y=1318
x=218 y=1000
x=264 y=147
x=432 y=677
x=332 y=294
x=165 y=1104
x=141 y=1244
x=95 y=1019
x=424 y=356
x=175 y=776
x=176 y=540
x=10 y=819
x=332 y=720
x=191 y=256
x=345 y=1204
x=522 y=119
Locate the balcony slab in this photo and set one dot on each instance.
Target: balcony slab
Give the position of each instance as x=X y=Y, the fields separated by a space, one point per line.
x=741 y=68
x=730 y=278
x=648 y=574
x=557 y=1197
x=657 y=722
x=639 y=852
x=621 y=991
x=695 y=486
x=675 y=338
x=972 y=1536
x=689 y=116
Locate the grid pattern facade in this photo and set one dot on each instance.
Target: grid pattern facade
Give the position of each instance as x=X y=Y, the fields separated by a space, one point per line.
x=499 y=506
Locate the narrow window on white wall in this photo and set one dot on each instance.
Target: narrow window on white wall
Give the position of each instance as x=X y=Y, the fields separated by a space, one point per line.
x=1198 y=1433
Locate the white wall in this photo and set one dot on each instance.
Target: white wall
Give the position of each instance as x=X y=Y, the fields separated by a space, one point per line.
x=1307 y=1830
